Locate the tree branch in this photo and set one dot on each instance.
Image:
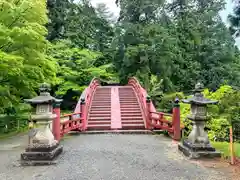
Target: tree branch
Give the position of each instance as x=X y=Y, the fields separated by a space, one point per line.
x=17 y=18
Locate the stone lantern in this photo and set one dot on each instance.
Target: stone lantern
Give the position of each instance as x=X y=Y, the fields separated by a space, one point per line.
x=42 y=148
x=197 y=144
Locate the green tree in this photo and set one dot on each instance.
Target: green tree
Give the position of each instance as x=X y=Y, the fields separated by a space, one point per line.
x=144 y=45
x=207 y=49
x=234 y=19
x=22 y=47
x=23 y=62
x=88 y=28
x=75 y=71
x=57 y=15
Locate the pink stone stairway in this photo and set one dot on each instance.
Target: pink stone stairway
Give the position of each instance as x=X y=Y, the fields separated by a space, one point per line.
x=115 y=108
x=131 y=114
x=99 y=117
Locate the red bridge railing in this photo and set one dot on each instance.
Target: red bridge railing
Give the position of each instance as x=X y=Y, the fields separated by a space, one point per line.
x=159 y=121
x=154 y=119
x=77 y=120
x=142 y=96
x=85 y=101
x=70 y=122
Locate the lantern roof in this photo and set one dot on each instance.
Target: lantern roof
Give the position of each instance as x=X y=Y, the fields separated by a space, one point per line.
x=198 y=97
x=44 y=96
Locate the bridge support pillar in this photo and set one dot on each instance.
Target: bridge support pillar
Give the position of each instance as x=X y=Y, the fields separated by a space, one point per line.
x=56 y=122
x=148 y=102
x=83 y=114
x=176 y=121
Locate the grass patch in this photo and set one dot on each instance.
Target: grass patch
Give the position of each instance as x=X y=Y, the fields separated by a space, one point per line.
x=224 y=147
x=11 y=134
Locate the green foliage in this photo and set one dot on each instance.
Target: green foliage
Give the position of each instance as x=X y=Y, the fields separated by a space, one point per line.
x=154 y=89
x=12 y=123
x=219 y=128
x=184 y=111
x=22 y=40
x=224 y=147
x=57 y=13
x=180 y=41
x=167 y=101
x=23 y=62
x=76 y=70
x=234 y=19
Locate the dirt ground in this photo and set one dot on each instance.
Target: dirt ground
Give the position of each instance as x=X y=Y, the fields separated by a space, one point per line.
x=223 y=165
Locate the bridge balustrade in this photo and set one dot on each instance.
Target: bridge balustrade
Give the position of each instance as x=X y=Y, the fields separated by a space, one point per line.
x=157 y=120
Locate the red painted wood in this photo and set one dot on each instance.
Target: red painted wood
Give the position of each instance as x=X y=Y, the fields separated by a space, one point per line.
x=119 y=107
x=131 y=114
x=74 y=122
x=149 y=118
x=176 y=124
x=154 y=119
x=99 y=115
x=83 y=115
x=115 y=109
x=90 y=91
x=141 y=95
x=56 y=124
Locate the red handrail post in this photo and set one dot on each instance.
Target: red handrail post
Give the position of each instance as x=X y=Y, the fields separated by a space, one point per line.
x=56 y=122
x=148 y=109
x=83 y=114
x=176 y=121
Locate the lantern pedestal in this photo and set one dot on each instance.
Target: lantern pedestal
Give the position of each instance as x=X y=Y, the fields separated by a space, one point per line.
x=42 y=155
x=198 y=150
x=43 y=148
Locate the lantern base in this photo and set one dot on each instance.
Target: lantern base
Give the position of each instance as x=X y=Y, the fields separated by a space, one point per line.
x=198 y=150
x=41 y=155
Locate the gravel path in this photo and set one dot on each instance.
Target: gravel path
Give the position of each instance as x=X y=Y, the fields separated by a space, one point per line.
x=109 y=157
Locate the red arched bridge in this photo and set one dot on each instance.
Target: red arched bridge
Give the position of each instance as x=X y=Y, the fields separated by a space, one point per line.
x=116 y=108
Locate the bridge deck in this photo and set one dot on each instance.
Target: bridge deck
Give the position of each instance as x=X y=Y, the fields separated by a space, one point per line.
x=115 y=109
x=109 y=157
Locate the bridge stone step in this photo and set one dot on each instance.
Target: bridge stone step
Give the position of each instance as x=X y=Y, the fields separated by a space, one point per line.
x=133 y=126
x=99 y=111
x=132 y=118
x=99 y=127
x=100 y=107
x=130 y=108
x=101 y=104
x=137 y=131
x=100 y=115
x=99 y=118
x=131 y=114
x=99 y=123
x=137 y=114
x=128 y=100
x=129 y=103
x=101 y=100
x=127 y=97
x=132 y=122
